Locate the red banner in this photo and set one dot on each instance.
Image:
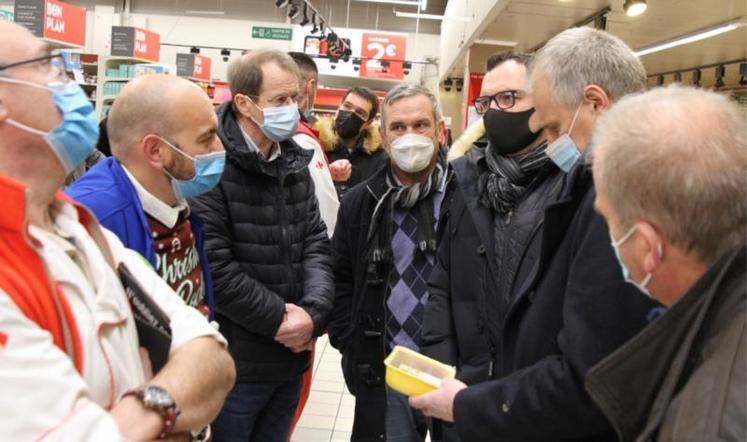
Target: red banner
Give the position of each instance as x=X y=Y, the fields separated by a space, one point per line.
x=382 y=56
x=147 y=45
x=64 y=23
x=473 y=91
x=202 y=68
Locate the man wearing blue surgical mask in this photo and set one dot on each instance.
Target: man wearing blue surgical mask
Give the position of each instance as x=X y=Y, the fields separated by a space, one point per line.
x=72 y=365
x=160 y=158
x=573 y=307
x=268 y=248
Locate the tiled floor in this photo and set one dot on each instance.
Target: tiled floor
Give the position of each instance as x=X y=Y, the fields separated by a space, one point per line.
x=328 y=415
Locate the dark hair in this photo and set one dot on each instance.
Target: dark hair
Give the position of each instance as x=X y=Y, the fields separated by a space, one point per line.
x=245 y=72
x=305 y=63
x=367 y=95
x=498 y=59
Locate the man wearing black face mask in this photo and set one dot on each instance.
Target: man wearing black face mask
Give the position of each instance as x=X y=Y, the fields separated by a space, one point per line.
x=501 y=188
x=352 y=142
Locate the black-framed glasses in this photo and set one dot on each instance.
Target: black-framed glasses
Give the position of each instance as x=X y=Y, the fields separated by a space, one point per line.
x=504 y=100
x=48 y=64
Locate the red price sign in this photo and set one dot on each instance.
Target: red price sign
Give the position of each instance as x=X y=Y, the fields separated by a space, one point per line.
x=382 y=55
x=202 y=68
x=147 y=45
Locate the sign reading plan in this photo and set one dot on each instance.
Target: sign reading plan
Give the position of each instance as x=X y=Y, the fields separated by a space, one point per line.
x=53 y=20
x=135 y=42
x=272 y=33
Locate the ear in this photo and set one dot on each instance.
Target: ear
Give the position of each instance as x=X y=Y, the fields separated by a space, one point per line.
x=246 y=107
x=152 y=150
x=597 y=97
x=653 y=246
x=441 y=132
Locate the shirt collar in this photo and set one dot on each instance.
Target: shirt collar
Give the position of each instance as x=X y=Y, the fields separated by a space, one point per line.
x=274 y=150
x=162 y=212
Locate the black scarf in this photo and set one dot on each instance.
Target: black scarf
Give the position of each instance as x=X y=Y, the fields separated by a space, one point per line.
x=416 y=195
x=506 y=179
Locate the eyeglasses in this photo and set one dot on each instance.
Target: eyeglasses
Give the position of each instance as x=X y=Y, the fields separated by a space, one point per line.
x=52 y=64
x=504 y=100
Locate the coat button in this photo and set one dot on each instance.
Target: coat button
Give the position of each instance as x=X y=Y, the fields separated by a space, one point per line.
x=481 y=249
x=505 y=407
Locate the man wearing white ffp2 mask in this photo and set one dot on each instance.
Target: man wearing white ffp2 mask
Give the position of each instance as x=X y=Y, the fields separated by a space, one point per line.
x=400 y=204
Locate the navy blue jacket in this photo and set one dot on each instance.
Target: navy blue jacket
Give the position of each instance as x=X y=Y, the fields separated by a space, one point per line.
x=109 y=193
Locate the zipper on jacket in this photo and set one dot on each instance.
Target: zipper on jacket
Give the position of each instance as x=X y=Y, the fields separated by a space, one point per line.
x=282 y=208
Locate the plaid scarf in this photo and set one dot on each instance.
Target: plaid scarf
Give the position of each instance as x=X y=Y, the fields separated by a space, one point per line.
x=407 y=197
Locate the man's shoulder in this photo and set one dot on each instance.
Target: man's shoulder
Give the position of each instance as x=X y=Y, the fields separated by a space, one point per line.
x=103 y=190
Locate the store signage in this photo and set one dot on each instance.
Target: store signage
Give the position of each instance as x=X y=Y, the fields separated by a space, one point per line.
x=53 y=20
x=272 y=33
x=194 y=66
x=135 y=42
x=382 y=55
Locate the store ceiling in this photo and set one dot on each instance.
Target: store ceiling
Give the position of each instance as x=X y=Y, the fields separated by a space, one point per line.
x=363 y=14
x=531 y=22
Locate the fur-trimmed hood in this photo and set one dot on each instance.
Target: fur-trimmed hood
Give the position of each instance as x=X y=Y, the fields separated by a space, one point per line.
x=329 y=138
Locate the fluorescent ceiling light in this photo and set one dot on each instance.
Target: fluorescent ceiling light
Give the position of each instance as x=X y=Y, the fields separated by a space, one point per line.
x=490 y=41
x=634 y=8
x=423 y=5
x=394 y=2
x=691 y=37
x=428 y=16
x=205 y=12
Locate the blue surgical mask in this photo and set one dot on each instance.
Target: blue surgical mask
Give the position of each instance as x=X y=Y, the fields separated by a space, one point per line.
x=626 y=273
x=563 y=151
x=208 y=170
x=75 y=138
x=280 y=122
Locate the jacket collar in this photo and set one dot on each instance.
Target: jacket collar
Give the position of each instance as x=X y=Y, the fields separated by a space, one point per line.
x=293 y=159
x=631 y=398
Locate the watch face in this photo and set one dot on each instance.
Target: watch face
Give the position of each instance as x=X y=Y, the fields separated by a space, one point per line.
x=157 y=397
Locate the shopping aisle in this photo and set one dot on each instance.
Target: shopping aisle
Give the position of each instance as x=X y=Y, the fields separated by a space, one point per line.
x=328 y=415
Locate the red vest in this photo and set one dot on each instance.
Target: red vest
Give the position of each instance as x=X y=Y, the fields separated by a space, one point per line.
x=306 y=129
x=24 y=277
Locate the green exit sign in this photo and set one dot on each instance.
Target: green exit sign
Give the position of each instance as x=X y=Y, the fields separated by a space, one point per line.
x=271 y=33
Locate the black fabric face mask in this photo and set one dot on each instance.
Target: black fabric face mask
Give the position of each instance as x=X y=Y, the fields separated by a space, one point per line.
x=509 y=132
x=348 y=124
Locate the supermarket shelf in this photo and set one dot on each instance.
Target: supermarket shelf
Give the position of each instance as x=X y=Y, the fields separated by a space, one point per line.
x=116 y=79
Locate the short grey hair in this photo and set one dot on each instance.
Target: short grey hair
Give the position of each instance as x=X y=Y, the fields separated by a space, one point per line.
x=407 y=90
x=579 y=57
x=245 y=73
x=676 y=156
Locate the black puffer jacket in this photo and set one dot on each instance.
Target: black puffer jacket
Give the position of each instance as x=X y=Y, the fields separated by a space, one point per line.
x=267 y=246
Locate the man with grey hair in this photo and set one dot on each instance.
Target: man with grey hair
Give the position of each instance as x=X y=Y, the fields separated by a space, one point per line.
x=268 y=249
x=384 y=250
x=158 y=161
x=573 y=307
x=669 y=167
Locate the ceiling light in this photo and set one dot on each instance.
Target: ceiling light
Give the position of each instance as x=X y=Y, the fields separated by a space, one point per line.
x=429 y=16
x=281 y=3
x=634 y=8
x=305 y=20
x=743 y=74
x=690 y=38
x=720 y=72
x=423 y=5
x=678 y=77
x=696 y=77
x=293 y=13
x=205 y=12
x=194 y=50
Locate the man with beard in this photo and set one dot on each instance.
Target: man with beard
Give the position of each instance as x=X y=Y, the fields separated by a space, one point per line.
x=352 y=142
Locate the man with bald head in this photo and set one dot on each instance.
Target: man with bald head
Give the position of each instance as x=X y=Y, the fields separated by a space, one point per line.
x=160 y=158
x=71 y=366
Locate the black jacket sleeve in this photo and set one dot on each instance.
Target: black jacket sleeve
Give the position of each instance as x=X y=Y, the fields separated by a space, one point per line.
x=438 y=337
x=241 y=298
x=547 y=400
x=318 y=294
x=340 y=326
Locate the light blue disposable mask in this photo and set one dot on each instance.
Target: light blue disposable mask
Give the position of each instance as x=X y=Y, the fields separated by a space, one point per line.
x=75 y=138
x=280 y=122
x=626 y=273
x=208 y=170
x=563 y=151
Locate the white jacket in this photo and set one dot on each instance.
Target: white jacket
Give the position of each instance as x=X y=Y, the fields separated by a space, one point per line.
x=43 y=396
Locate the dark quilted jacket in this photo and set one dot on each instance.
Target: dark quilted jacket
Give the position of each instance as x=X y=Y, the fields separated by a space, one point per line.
x=267 y=246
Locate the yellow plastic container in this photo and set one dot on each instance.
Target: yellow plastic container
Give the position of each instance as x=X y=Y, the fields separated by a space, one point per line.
x=413 y=374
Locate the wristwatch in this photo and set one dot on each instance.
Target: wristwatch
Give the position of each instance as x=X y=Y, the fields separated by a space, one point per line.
x=160 y=401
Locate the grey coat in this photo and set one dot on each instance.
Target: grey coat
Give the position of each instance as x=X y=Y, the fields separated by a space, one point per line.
x=683 y=377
